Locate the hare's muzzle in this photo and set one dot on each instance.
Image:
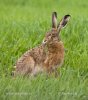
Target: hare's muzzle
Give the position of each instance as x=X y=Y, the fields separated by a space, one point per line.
x=44 y=42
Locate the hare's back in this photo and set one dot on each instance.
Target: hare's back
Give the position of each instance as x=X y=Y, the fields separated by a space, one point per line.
x=31 y=58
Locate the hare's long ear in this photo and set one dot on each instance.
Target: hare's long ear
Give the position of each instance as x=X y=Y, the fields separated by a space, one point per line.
x=63 y=22
x=54 y=20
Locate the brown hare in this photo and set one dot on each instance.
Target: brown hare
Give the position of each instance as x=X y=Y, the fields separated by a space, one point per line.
x=48 y=56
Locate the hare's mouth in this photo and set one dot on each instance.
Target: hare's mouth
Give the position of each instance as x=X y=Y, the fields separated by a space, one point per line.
x=44 y=42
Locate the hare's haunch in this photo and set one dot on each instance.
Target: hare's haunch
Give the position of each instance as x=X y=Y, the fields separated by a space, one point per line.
x=47 y=56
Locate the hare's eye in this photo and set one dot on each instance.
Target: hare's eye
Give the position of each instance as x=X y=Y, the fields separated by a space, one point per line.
x=48 y=35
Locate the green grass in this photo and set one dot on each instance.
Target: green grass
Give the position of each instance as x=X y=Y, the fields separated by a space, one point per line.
x=23 y=24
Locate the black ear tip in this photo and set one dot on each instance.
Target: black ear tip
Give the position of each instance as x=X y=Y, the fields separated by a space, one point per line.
x=54 y=13
x=66 y=16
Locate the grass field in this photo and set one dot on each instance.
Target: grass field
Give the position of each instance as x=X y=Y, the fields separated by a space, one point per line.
x=23 y=24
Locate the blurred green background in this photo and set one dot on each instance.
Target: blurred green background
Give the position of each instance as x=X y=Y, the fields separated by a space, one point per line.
x=23 y=24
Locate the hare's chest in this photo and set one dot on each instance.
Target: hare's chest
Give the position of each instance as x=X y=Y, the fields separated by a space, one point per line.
x=54 y=59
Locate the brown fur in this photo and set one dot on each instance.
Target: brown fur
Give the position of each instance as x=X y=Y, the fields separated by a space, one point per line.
x=46 y=57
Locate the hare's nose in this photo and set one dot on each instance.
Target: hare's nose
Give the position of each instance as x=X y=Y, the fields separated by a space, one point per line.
x=44 y=41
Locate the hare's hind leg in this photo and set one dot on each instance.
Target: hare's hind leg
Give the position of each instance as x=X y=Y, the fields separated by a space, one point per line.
x=25 y=67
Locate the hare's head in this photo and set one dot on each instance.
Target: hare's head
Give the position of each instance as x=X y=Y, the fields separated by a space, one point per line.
x=53 y=35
